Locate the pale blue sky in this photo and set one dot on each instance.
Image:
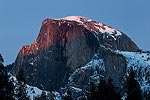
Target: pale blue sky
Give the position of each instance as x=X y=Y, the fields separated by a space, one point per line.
x=20 y=20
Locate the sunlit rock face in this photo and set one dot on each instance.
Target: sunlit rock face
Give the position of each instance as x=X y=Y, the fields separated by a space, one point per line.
x=64 y=45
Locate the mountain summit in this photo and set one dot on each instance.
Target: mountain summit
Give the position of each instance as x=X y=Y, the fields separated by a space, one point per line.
x=65 y=44
x=68 y=28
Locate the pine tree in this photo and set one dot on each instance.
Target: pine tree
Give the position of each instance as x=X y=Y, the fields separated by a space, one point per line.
x=102 y=92
x=133 y=88
x=83 y=96
x=68 y=96
x=43 y=96
x=22 y=94
x=107 y=91
x=6 y=86
x=10 y=89
x=2 y=82
x=21 y=76
x=21 y=88
x=112 y=92
x=50 y=96
x=51 y=89
x=92 y=91
x=1 y=60
x=146 y=95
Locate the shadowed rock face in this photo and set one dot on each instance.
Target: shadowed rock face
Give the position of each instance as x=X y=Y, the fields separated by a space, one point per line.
x=104 y=64
x=64 y=45
x=115 y=66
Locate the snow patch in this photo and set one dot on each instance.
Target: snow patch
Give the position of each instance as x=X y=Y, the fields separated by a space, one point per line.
x=33 y=92
x=73 y=18
x=77 y=89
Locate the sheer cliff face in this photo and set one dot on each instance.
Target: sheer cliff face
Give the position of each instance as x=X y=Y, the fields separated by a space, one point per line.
x=64 y=45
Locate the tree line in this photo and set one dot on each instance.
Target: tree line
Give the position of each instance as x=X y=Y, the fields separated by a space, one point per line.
x=105 y=90
x=17 y=91
x=108 y=91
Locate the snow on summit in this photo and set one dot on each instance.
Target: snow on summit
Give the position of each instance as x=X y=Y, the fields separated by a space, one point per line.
x=89 y=24
x=94 y=26
x=74 y=18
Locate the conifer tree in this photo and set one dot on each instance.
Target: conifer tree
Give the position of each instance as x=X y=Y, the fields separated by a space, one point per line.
x=21 y=88
x=102 y=90
x=107 y=91
x=112 y=91
x=21 y=76
x=43 y=96
x=22 y=94
x=1 y=60
x=83 y=96
x=92 y=91
x=10 y=89
x=6 y=86
x=133 y=88
x=2 y=81
x=50 y=96
x=146 y=95
x=68 y=96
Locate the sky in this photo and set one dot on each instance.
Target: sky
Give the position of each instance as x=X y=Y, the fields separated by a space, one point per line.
x=20 y=20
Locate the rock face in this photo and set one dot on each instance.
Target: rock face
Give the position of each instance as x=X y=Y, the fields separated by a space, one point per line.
x=104 y=66
x=115 y=66
x=66 y=44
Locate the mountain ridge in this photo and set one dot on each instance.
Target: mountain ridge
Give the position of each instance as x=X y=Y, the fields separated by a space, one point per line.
x=71 y=21
x=65 y=44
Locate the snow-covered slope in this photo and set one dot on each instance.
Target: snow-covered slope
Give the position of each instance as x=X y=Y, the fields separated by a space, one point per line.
x=92 y=71
x=33 y=92
x=140 y=62
x=136 y=58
